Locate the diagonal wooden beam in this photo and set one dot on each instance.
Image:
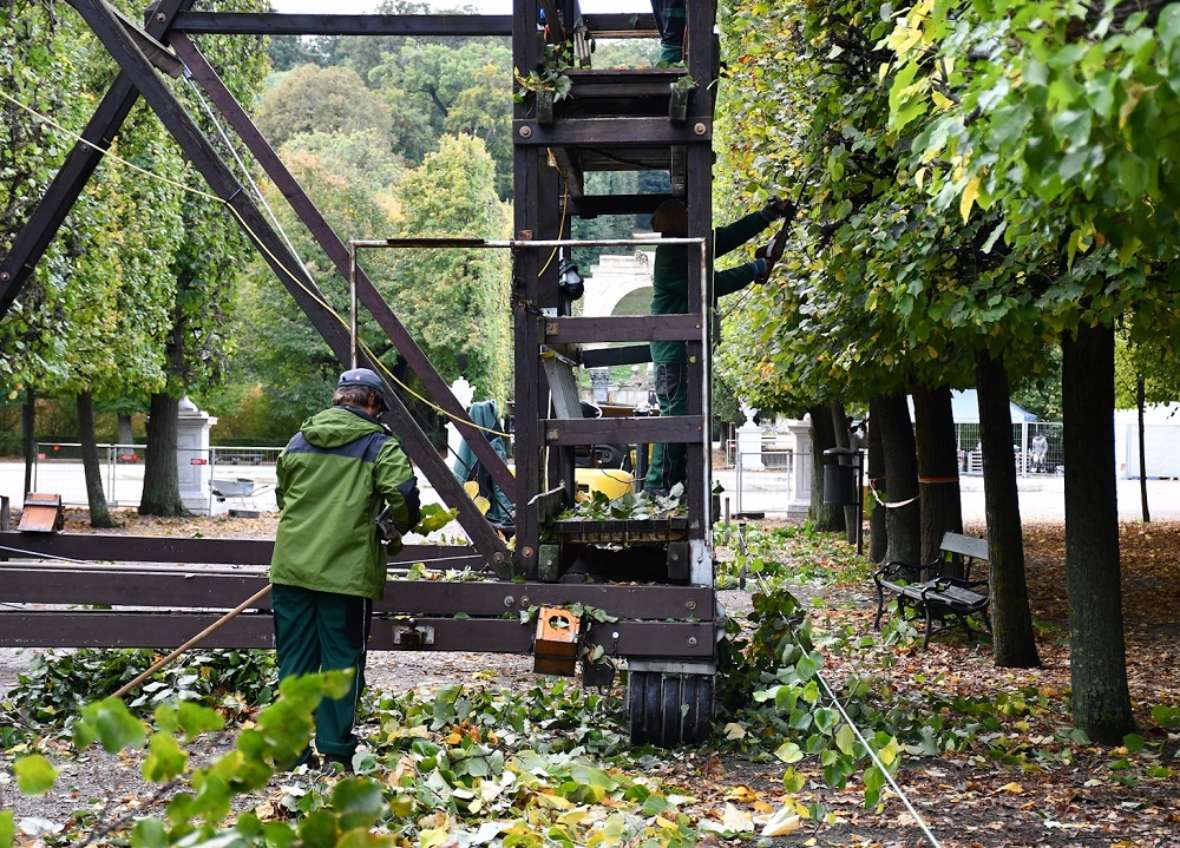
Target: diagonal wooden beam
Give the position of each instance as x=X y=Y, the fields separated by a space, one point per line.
x=436 y=387
x=35 y=237
x=292 y=275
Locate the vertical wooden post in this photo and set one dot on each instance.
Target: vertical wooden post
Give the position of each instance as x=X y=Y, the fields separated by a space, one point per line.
x=526 y=305
x=700 y=225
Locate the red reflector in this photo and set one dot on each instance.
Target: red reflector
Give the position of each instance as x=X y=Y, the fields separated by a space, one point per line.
x=198 y=462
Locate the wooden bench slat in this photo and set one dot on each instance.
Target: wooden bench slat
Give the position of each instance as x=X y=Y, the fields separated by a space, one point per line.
x=957 y=543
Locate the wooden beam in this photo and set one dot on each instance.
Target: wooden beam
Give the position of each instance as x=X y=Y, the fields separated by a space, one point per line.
x=623 y=328
x=591 y=206
x=613 y=132
x=66 y=629
x=38 y=232
x=285 y=265
x=624 y=431
x=436 y=388
x=608 y=357
x=178 y=588
x=119 y=548
x=264 y=23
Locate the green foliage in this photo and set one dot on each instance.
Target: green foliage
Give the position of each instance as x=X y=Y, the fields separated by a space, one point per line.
x=434 y=517
x=56 y=685
x=456 y=303
x=311 y=99
x=631 y=506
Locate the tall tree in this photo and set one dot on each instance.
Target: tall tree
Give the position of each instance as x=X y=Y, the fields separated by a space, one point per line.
x=938 y=468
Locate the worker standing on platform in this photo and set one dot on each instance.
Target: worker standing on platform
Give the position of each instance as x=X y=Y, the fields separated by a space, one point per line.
x=334 y=478
x=671 y=21
x=670 y=297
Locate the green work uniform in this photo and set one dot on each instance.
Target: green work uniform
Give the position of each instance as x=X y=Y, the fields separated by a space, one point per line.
x=334 y=477
x=670 y=297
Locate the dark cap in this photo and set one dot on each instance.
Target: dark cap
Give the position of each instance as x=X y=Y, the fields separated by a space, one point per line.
x=365 y=378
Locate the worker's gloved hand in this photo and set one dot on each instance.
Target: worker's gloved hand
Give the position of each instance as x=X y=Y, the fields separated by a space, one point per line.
x=762 y=269
x=778 y=208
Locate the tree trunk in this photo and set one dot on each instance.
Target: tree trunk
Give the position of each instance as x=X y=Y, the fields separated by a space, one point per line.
x=1013 y=642
x=844 y=440
x=100 y=516
x=28 y=427
x=876 y=473
x=902 y=522
x=1098 y=665
x=829 y=519
x=938 y=466
x=1140 y=403
x=161 y=482
x=126 y=435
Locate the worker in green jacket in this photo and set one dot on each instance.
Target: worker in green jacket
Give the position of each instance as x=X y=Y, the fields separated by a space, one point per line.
x=335 y=476
x=670 y=296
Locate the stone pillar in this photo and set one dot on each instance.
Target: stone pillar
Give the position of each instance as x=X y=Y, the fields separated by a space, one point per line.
x=800 y=503
x=464 y=392
x=749 y=442
x=600 y=385
x=193 y=457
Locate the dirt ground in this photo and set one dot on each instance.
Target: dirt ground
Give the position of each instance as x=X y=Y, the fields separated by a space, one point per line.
x=969 y=800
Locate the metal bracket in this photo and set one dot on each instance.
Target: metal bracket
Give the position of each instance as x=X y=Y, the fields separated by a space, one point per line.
x=411 y=637
x=672 y=666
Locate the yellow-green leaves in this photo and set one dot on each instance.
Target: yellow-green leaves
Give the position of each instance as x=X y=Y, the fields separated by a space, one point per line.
x=34 y=774
x=969 y=196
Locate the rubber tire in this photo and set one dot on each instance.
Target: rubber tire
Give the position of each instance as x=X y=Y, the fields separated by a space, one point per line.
x=669 y=710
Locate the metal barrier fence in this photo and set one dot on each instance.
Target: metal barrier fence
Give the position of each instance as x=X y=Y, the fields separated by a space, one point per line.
x=237 y=475
x=1036 y=448
x=764 y=481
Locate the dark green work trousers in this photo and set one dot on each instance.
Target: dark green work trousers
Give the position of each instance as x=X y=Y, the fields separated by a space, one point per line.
x=668 y=461
x=324 y=631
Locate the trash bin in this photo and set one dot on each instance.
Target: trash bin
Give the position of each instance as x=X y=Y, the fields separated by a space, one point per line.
x=840 y=477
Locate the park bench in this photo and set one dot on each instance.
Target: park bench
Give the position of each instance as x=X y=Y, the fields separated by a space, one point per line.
x=941 y=590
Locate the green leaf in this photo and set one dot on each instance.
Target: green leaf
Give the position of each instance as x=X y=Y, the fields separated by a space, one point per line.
x=846 y=740
x=1133 y=174
x=319 y=830
x=165 y=759
x=34 y=774
x=874 y=780
x=793 y=782
x=195 y=719
x=806 y=668
x=1133 y=742
x=811 y=692
x=1073 y=127
x=149 y=833
x=7 y=829
x=112 y=724
x=789 y=752
x=1168 y=26
x=358 y=802
x=434 y=517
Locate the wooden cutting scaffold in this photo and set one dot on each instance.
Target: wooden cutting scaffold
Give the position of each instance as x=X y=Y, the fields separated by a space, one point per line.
x=654 y=577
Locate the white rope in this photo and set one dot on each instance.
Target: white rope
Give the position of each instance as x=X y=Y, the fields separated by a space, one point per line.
x=39 y=555
x=921 y=822
x=242 y=166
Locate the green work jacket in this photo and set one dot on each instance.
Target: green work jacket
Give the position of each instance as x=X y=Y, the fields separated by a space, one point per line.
x=334 y=477
x=670 y=277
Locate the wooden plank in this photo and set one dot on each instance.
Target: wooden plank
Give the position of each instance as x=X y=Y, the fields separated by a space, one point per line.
x=38 y=232
x=436 y=388
x=178 y=588
x=607 y=357
x=112 y=547
x=591 y=206
x=264 y=23
x=289 y=270
x=613 y=132
x=624 y=431
x=957 y=543
x=59 y=629
x=623 y=328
